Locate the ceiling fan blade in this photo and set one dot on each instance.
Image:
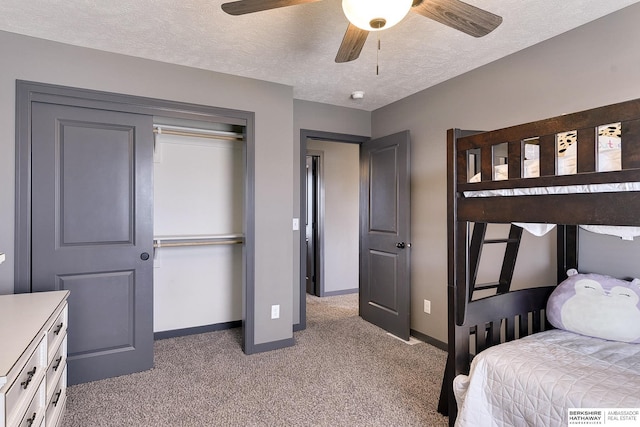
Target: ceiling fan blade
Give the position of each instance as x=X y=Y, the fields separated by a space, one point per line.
x=242 y=7
x=459 y=15
x=351 y=44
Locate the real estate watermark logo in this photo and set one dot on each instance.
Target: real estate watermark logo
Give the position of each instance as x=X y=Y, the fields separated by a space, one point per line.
x=617 y=417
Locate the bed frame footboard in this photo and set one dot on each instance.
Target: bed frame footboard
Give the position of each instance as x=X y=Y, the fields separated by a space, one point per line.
x=491 y=321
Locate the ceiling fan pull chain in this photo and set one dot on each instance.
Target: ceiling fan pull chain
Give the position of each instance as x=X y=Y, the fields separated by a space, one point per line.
x=378 y=57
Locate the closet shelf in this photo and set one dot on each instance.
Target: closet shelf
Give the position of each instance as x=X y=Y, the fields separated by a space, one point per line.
x=197 y=240
x=197 y=133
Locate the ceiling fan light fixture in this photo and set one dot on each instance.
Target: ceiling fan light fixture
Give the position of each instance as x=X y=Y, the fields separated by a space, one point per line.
x=375 y=15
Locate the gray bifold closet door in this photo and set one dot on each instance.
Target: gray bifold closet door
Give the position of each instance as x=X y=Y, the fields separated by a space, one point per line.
x=92 y=233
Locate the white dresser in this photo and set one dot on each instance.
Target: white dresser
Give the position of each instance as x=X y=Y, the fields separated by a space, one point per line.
x=33 y=359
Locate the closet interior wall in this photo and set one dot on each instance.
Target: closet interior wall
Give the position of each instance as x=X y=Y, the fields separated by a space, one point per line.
x=199 y=176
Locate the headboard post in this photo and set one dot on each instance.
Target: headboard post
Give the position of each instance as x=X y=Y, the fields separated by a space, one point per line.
x=567 y=249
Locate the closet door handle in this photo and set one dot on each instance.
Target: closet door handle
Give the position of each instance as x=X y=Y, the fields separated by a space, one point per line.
x=144 y=256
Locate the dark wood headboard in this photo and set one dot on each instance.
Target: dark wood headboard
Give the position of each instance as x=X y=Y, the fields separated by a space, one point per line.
x=600 y=208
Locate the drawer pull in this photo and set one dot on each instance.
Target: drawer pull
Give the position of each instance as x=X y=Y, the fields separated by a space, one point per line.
x=31 y=420
x=58 y=328
x=55 y=401
x=30 y=375
x=57 y=364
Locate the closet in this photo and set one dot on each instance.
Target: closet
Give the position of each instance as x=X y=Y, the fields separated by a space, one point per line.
x=199 y=176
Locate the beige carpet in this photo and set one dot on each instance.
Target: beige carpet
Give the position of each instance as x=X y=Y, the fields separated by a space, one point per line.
x=342 y=371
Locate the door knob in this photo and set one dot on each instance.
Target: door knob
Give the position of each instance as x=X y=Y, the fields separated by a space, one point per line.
x=400 y=245
x=144 y=256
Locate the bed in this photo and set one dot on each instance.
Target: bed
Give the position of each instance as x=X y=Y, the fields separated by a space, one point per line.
x=575 y=170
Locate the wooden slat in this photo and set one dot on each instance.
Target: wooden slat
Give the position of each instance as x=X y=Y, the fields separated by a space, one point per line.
x=462 y=167
x=587 y=150
x=509 y=329
x=481 y=338
x=515 y=159
x=475 y=253
x=536 y=322
x=567 y=249
x=494 y=332
x=486 y=163
x=485 y=286
x=509 y=260
x=630 y=144
x=547 y=155
x=523 y=325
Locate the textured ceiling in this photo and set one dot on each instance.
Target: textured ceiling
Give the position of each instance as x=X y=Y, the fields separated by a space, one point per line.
x=297 y=45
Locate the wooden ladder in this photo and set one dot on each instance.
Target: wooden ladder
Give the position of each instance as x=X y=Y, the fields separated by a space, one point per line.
x=478 y=241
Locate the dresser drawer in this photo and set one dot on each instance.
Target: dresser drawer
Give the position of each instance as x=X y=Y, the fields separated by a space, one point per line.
x=35 y=413
x=55 y=405
x=27 y=382
x=56 y=332
x=56 y=366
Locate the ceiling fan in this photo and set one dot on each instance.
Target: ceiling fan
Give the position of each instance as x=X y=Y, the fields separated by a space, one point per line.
x=375 y=15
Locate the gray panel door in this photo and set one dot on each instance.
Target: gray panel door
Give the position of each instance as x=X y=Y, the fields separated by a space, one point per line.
x=92 y=233
x=385 y=285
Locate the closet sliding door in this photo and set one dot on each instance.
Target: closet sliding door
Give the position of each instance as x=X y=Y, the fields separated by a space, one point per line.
x=198 y=229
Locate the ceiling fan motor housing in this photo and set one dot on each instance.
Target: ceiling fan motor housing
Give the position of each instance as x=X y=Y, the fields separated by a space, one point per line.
x=375 y=15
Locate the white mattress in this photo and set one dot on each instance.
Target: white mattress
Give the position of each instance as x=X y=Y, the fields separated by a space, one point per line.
x=534 y=381
x=560 y=189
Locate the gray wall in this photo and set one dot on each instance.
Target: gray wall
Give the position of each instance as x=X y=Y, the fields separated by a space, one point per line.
x=595 y=65
x=341 y=177
x=37 y=60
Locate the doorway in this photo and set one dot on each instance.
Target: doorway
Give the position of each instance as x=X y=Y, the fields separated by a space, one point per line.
x=314 y=143
x=382 y=209
x=314 y=223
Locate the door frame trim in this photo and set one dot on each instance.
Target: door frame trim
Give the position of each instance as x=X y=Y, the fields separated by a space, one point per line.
x=306 y=134
x=28 y=92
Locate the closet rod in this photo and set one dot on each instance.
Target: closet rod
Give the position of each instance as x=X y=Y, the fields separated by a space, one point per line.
x=196 y=243
x=198 y=133
x=196 y=240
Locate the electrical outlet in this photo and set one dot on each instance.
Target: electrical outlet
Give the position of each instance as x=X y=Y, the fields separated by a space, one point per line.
x=427 y=306
x=275 y=311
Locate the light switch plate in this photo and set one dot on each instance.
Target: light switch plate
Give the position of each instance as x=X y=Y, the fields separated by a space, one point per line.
x=275 y=311
x=427 y=306
x=296 y=224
